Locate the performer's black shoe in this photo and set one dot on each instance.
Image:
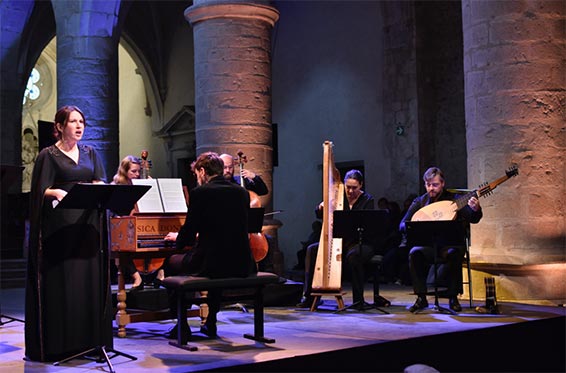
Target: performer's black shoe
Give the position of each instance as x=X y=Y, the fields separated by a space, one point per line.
x=379 y=301
x=360 y=306
x=209 y=331
x=306 y=302
x=420 y=304
x=454 y=304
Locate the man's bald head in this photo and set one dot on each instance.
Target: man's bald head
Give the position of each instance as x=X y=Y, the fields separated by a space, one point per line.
x=228 y=166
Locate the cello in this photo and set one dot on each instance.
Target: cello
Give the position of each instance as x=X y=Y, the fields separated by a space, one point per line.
x=258 y=242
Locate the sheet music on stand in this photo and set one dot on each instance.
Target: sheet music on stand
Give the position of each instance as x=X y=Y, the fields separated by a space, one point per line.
x=165 y=196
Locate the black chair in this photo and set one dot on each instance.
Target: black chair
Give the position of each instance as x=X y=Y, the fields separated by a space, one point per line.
x=378 y=301
x=440 y=280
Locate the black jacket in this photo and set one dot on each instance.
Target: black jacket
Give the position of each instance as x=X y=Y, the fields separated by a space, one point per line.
x=218 y=212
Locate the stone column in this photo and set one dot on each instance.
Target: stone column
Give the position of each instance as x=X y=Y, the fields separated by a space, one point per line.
x=87 y=70
x=232 y=42
x=233 y=81
x=514 y=65
x=400 y=108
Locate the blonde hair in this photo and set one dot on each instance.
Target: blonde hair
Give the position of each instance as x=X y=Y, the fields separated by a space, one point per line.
x=121 y=176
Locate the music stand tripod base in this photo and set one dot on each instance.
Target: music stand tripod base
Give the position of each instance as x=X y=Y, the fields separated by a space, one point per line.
x=441 y=309
x=362 y=306
x=10 y=319
x=102 y=356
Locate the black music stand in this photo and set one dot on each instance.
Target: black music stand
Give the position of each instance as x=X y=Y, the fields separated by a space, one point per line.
x=437 y=234
x=8 y=176
x=102 y=197
x=255 y=219
x=357 y=223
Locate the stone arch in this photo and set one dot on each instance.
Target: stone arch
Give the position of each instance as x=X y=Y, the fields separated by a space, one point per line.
x=150 y=83
x=27 y=27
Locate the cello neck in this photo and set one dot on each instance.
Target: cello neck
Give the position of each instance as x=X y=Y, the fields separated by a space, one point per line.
x=241 y=175
x=241 y=160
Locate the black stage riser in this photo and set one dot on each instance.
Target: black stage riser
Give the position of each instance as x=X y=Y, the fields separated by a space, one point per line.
x=531 y=346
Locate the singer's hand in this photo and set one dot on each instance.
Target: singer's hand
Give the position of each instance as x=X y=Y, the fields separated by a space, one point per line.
x=58 y=194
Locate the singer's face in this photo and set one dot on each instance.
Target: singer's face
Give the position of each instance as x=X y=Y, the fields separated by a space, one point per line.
x=73 y=130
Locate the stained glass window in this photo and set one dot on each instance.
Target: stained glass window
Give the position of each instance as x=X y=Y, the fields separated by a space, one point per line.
x=32 y=89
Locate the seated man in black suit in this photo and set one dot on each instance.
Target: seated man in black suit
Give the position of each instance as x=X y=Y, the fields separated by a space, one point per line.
x=215 y=230
x=421 y=257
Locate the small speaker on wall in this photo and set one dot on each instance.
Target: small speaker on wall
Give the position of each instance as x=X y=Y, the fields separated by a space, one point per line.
x=274 y=144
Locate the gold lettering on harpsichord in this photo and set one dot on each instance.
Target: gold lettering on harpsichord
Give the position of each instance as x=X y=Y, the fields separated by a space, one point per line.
x=147 y=228
x=169 y=227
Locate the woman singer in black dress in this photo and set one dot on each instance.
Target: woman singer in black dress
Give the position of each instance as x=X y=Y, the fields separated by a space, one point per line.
x=67 y=312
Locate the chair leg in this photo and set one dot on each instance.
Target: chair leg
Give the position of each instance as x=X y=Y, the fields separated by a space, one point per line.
x=378 y=300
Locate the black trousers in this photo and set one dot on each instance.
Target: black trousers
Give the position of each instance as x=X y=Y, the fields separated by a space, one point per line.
x=422 y=257
x=357 y=258
x=183 y=264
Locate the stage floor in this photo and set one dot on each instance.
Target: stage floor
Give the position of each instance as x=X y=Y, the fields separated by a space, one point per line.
x=324 y=340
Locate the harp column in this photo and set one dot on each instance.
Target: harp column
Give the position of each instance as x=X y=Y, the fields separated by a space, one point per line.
x=515 y=114
x=232 y=42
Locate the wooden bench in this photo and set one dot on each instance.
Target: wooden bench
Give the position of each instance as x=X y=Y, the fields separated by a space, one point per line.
x=185 y=287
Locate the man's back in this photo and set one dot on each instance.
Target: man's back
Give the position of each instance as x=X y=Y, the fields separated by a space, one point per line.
x=218 y=212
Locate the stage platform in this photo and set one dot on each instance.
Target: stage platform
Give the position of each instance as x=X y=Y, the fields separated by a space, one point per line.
x=523 y=338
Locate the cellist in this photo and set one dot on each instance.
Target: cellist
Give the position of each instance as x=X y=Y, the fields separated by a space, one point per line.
x=251 y=180
x=254 y=184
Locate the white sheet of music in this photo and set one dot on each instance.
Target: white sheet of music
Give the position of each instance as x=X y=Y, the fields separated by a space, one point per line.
x=151 y=201
x=172 y=195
